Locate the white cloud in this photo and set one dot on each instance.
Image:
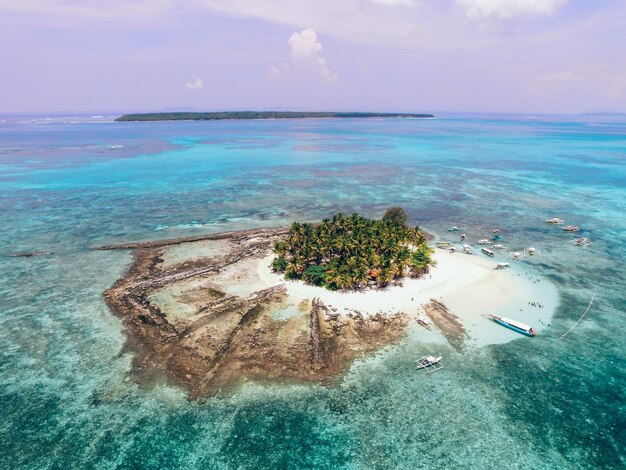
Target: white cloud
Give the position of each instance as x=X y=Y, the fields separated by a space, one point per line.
x=393 y=3
x=504 y=9
x=194 y=84
x=306 y=56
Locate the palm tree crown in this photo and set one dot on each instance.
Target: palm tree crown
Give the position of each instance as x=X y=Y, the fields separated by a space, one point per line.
x=350 y=252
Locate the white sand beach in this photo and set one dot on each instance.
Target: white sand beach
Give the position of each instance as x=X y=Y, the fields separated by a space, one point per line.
x=467 y=284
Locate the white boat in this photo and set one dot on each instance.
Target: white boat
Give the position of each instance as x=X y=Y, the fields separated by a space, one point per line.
x=532 y=250
x=488 y=252
x=571 y=228
x=498 y=247
x=502 y=265
x=496 y=231
x=555 y=221
x=514 y=325
x=582 y=241
x=517 y=255
x=484 y=242
x=430 y=363
x=467 y=248
x=423 y=322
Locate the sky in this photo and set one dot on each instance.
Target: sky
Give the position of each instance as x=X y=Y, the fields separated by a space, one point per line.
x=517 y=56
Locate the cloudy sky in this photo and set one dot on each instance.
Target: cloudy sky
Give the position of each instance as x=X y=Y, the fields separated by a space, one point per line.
x=532 y=56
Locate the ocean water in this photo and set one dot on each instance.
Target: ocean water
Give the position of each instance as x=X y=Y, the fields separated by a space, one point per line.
x=68 y=399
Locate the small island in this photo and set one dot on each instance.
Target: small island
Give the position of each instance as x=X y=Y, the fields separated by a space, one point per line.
x=352 y=252
x=224 y=115
x=300 y=304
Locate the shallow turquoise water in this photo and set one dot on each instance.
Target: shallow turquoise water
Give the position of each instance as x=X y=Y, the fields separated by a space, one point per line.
x=66 y=396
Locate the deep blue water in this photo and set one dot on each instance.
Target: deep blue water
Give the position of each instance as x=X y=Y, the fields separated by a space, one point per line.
x=66 y=395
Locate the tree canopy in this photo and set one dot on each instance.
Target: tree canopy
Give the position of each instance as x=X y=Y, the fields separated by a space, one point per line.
x=351 y=252
x=397 y=216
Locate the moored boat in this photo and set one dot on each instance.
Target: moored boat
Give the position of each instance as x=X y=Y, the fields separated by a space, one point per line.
x=454 y=229
x=488 y=252
x=484 y=241
x=582 y=241
x=555 y=221
x=514 y=325
x=430 y=363
x=570 y=228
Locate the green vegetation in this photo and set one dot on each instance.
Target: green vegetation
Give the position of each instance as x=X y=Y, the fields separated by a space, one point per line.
x=351 y=252
x=217 y=116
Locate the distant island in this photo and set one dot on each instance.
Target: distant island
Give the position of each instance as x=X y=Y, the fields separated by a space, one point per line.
x=223 y=115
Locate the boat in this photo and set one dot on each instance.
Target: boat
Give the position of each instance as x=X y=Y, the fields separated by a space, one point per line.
x=570 y=228
x=582 y=241
x=517 y=255
x=495 y=230
x=488 y=252
x=532 y=250
x=430 y=363
x=463 y=236
x=555 y=221
x=514 y=325
x=498 y=247
x=454 y=229
x=423 y=322
x=496 y=238
x=502 y=266
x=484 y=241
x=466 y=248
x=443 y=244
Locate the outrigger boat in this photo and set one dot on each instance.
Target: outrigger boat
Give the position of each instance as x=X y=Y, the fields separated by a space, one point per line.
x=571 y=228
x=484 y=241
x=517 y=255
x=454 y=229
x=514 y=325
x=582 y=241
x=430 y=363
x=555 y=221
x=502 y=266
x=466 y=248
x=498 y=247
x=488 y=252
x=532 y=250
x=495 y=231
x=496 y=238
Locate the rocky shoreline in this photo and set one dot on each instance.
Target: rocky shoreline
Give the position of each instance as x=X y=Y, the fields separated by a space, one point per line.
x=223 y=339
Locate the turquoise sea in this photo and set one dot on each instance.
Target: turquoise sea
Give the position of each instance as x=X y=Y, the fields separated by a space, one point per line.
x=67 y=397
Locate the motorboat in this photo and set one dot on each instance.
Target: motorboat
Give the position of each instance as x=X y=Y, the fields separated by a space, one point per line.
x=582 y=241
x=498 y=247
x=484 y=241
x=517 y=255
x=488 y=252
x=454 y=229
x=502 y=266
x=570 y=228
x=514 y=325
x=555 y=221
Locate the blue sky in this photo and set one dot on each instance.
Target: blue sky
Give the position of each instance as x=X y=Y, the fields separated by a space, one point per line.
x=533 y=56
